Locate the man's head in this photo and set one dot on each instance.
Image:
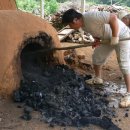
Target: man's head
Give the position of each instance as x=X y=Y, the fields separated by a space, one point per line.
x=72 y=18
x=126 y=20
x=122 y=13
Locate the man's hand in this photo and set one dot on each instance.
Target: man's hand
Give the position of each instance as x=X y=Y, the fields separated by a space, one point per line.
x=114 y=40
x=96 y=43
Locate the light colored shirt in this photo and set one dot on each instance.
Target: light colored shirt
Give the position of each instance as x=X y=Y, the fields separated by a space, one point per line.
x=97 y=24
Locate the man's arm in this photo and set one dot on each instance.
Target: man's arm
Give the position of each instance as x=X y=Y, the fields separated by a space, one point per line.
x=113 y=21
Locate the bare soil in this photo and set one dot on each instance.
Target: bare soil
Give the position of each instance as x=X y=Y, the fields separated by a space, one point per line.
x=10 y=113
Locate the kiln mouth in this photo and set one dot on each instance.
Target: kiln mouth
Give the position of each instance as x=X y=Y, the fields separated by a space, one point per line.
x=31 y=60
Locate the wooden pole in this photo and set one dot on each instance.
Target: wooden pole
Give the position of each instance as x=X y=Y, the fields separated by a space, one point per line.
x=82 y=6
x=42 y=8
x=111 y=2
x=88 y=44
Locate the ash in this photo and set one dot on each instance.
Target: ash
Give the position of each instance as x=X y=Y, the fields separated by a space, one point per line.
x=63 y=99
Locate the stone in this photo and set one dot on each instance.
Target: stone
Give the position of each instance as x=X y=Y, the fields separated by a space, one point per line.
x=114 y=103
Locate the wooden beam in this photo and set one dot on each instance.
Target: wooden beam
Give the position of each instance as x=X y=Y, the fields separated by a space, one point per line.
x=62 y=34
x=42 y=8
x=82 y=6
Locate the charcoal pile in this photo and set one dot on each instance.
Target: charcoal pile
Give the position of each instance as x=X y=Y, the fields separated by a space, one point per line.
x=63 y=98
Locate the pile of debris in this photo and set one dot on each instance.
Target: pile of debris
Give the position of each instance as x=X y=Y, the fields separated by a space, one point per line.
x=64 y=101
x=78 y=37
x=109 y=8
x=56 y=20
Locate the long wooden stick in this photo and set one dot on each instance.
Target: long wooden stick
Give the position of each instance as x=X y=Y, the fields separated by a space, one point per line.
x=70 y=47
x=83 y=45
x=125 y=39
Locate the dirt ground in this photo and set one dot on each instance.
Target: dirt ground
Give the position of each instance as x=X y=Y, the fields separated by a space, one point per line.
x=10 y=112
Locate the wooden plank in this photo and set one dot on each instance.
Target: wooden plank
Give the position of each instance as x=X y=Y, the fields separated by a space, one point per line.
x=63 y=33
x=66 y=31
x=61 y=37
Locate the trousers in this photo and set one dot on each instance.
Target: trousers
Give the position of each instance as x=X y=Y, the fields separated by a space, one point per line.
x=103 y=52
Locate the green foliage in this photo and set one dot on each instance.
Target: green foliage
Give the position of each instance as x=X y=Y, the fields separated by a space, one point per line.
x=61 y=1
x=28 y=5
x=108 y=2
x=51 y=6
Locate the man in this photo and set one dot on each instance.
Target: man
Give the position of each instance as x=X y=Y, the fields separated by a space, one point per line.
x=124 y=17
x=126 y=20
x=108 y=28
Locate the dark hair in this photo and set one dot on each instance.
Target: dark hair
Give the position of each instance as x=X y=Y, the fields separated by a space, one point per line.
x=127 y=17
x=70 y=15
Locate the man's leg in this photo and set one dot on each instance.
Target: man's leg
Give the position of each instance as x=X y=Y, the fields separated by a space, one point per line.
x=99 y=57
x=127 y=82
x=125 y=101
x=97 y=78
x=98 y=70
x=123 y=56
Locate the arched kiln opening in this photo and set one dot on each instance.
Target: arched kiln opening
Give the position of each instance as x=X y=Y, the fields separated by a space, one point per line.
x=20 y=33
x=33 y=57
